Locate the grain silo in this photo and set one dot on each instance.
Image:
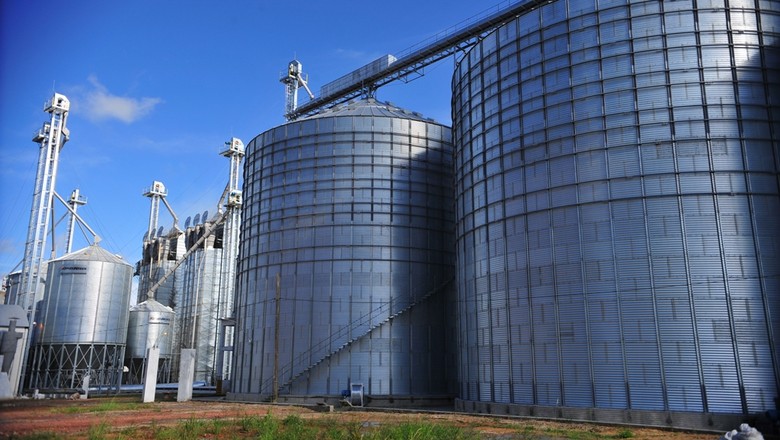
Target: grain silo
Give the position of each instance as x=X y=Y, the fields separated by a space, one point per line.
x=85 y=315
x=11 y=287
x=617 y=201
x=198 y=303
x=346 y=260
x=150 y=324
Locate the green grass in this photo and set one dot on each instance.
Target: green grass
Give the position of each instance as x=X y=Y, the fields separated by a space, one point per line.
x=420 y=431
x=579 y=434
x=263 y=427
x=110 y=405
x=294 y=427
x=98 y=432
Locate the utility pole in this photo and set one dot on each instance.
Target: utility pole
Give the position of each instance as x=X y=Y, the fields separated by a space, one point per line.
x=276 y=335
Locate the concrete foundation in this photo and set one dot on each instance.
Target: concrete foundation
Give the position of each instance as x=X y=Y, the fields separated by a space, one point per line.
x=662 y=419
x=369 y=401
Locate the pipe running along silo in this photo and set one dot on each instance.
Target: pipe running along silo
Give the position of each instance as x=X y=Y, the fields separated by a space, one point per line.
x=150 y=324
x=617 y=201
x=85 y=315
x=346 y=246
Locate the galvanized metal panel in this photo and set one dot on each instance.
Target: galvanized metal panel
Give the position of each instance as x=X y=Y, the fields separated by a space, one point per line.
x=381 y=242
x=653 y=246
x=150 y=324
x=88 y=299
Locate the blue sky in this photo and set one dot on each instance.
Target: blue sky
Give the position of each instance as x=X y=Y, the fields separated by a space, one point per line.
x=157 y=87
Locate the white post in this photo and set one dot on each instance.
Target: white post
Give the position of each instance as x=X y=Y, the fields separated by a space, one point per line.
x=5 y=384
x=85 y=384
x=150 y=373
x=186 y=374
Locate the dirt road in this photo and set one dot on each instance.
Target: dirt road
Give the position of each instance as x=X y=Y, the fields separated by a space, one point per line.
x=73 y=419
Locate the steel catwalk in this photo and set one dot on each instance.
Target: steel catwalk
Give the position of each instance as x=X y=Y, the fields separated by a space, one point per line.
x=352 y=210
x=617 y=203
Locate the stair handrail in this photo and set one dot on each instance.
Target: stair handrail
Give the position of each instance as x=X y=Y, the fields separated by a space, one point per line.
x=297 y=360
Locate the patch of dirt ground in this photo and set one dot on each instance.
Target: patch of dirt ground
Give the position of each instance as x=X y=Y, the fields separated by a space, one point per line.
x=73 y=419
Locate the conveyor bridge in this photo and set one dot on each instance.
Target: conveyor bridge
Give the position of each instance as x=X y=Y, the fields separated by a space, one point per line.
x=415 y=58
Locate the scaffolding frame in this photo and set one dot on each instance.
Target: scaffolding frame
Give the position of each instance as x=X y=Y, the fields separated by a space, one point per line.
x=65 y=367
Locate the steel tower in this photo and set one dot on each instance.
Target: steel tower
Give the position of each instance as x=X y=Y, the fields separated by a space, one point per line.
x=51 y=137
x=76 y=199
x=226 y=314
x=157 y=193
x=292 y=82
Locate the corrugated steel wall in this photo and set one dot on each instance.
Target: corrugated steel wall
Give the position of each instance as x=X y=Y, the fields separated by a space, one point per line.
x=197 y=311
x=84 y=321
x=617 y=198
x=87 y=300
x=353 y=211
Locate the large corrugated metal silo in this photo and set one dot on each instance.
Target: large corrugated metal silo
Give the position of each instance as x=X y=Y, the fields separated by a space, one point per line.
x=150 y=324
x=85 y=315
x=197 y=305
x=347 y=227
x=617 y=201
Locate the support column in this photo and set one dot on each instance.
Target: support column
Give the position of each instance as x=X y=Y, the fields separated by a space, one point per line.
x=150 y=373
x=186 y=374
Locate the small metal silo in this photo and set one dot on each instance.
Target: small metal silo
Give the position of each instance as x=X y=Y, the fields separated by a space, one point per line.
x=150 y=325
x=11 y=287
x=84 y=321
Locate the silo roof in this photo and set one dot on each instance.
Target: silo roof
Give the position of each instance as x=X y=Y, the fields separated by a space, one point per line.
x=151 y=305
x=93 y=253
x=370 y=107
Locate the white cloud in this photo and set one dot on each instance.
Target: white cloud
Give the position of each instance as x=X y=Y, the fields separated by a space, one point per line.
x=100 y=104
x=7 y=246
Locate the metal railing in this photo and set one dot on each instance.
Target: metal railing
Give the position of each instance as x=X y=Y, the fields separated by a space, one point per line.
x=301 y=361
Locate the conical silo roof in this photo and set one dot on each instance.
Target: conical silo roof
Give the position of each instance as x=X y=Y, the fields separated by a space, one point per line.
x=151 y=305
x=370 y=107
x=93 y=253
